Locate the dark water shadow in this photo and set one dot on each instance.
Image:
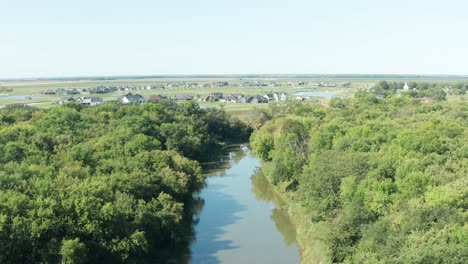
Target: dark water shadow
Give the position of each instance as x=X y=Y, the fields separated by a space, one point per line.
x=226 y=158
x=219 y=213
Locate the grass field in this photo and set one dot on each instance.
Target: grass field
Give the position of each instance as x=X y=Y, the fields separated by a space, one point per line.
x=29 y=91
x=33 y=89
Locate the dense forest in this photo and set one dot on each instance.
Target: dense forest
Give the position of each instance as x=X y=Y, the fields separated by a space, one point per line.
x=388 y=178
x=103 y=184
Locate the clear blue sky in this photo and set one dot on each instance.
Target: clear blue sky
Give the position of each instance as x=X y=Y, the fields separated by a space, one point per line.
x=150 y=37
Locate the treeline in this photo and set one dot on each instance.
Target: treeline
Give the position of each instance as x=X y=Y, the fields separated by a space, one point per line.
x=5 y=90
x=436 y=90
x=105 y=184
x=388 y=177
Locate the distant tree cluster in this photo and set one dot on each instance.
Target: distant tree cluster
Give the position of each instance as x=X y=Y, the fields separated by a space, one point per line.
x=388 y=176
x=5 y=89
x=107 y=184
x=436 y=90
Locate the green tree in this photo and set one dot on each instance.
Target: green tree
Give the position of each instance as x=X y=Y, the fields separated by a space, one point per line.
x=73 y=251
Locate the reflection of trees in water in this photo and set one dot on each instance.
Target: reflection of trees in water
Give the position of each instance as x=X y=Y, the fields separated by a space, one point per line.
x=238 y=153
x=284 y=225
x=195 y=207
x=264 y=192
x=224 y=159
x=260 y=186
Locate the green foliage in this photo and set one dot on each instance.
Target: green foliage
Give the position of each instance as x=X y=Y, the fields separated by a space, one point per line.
x=319 y=188
x=437 y=91
x=102 y=184
x=73 y=251
x=388 y=176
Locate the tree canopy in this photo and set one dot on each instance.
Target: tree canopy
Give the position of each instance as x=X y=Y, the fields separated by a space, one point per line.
x=388 y=176
x=102 y=184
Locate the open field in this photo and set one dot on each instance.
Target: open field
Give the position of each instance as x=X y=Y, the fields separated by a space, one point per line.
x=29 y=91
x=33 y=89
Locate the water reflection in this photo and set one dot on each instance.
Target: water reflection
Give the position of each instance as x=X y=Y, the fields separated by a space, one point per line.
x=222 y=211
x=237 y=217
x=264 y=191
x=224 y=160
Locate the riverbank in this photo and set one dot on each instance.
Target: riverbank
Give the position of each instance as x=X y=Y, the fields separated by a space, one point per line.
x=238 y=220
x=308 y=233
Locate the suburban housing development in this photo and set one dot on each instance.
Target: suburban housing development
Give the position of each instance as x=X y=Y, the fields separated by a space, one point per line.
x=129 y=98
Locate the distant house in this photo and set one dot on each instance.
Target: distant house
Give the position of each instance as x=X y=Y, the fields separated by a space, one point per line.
x=50 y=92
x=283 y=96
x=269 y=97
x=66 y=100
x=131 y=98
x=73 y=91
x=183 y=98
x=156 y=98
x=257 y=99
x=231 y=99
x=91 y=101
x=217 y=95
x=237 y=95
x=208 y=98
x=220 y=84
x=276 y=96
x=61 y=91
x=247 y=99
x=280 y=96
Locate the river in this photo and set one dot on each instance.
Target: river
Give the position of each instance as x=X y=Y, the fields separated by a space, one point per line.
x=241 y=219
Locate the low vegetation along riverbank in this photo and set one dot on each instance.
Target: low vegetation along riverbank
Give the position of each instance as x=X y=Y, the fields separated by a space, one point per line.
x=375 y=180
x=104 y=184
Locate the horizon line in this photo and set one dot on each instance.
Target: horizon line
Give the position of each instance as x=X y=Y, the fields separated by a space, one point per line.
x=245 y=75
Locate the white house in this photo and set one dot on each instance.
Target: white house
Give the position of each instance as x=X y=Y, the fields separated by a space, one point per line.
x=91 y=101
x=269 y=97
x=280 y=96
x=131 y=98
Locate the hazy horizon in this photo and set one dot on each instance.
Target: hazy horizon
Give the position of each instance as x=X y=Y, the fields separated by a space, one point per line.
x=56 y=39
x=274 y=75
